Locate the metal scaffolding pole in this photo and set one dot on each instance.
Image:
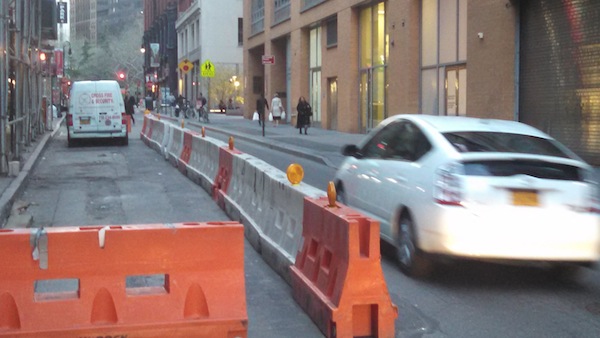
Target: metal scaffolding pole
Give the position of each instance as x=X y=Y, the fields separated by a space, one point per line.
x=3 y=82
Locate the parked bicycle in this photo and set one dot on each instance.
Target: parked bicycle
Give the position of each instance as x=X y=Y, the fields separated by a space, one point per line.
x=188 y=110
x=203 y=115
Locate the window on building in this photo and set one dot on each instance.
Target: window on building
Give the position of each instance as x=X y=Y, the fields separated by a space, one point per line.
x=444 y=57
x=307 y=4
x=374 y=51
x=240 y=31
x=281 y=11
x=258 y=16
x=332 y=34
x=315 y=72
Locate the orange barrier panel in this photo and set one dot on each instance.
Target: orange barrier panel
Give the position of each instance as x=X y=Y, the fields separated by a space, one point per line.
x=173 y=280
x=337 y=277
x=221 y=182
x=128 y=117
x=186 y=151
x=146 y=132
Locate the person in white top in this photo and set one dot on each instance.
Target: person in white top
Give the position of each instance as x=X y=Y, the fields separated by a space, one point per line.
x=276 y=109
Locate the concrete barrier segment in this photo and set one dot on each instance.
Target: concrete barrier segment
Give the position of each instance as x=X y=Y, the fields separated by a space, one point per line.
x=156 y=138
x=175 y=145
x=165 y=140
x=223 y=177
x=203 y=165
x=337 y=277
x=85 y=289
x=271 y=209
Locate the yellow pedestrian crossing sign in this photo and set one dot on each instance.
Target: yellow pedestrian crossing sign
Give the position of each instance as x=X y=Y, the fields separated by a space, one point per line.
x=207 y=69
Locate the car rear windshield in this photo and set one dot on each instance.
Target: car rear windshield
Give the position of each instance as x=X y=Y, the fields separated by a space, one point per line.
x=539 y=169
x=466 y=142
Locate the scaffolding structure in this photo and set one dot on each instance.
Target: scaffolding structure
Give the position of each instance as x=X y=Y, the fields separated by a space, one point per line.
x=24 y=79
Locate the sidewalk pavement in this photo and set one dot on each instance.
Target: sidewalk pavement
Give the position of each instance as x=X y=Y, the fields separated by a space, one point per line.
x=320 y=145
x=10 y=186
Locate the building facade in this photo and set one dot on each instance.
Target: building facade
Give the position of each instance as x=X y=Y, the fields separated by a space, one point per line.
x=160 y=45
x=210 y=33
x=90 y=19
x=359 y=62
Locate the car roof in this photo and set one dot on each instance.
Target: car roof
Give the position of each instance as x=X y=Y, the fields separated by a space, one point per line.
x=448 y=124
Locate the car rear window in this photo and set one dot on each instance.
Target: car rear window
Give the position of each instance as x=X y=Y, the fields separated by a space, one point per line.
x=466 y=142
x=539 y=169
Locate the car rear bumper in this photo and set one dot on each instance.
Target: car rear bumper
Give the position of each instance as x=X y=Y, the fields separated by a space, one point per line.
x=513 y=233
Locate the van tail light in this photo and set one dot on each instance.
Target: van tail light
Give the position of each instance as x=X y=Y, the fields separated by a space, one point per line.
x=124 y=119
x=447 y=187
x=69 y=120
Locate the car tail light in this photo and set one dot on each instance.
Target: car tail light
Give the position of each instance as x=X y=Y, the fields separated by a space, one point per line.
x=69 y=120
x=593 y=200
x=447 y=186
x=124 y=118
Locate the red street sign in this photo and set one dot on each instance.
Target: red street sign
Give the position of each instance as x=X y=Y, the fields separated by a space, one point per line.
x=268 y=60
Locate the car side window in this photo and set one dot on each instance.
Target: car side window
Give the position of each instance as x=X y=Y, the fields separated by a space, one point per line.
x=398 y=141
x=378 y=146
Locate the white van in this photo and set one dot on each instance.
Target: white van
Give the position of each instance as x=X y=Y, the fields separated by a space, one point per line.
x=96 y=110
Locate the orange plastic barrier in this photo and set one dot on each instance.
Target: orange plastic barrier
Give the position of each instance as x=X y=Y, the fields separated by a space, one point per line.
x=172 y=280
x=221 y=182
x=146 y=132
x=186 y=151
x=128 y=117
x=337 y=277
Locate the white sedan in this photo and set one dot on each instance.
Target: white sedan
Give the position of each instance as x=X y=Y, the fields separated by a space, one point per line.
x=473 y=188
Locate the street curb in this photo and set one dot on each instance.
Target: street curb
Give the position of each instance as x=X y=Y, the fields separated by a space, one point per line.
x=288 y=149
x=8 y=196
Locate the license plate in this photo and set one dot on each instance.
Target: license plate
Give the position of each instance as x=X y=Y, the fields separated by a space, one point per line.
x=528 y=198
x=84 y=120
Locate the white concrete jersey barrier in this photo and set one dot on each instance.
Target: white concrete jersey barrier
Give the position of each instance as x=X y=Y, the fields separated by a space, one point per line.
x=271 y=209
x=204 y=161
x=174 y=145
x=156 y=137
x=259 y=196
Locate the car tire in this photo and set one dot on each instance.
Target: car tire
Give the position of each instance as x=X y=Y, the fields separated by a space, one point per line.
x=412 y=261
x=340 y=193
x=125 y=140
x=564 y=271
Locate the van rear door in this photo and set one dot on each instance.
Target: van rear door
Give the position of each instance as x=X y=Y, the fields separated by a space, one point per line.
x=85 y=118
x=109 y=105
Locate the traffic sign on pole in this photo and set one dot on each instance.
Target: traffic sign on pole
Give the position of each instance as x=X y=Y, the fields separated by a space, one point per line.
x=207 y=69
x=268 y=60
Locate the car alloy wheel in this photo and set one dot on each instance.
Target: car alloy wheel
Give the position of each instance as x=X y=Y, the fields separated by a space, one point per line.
x=411 y=260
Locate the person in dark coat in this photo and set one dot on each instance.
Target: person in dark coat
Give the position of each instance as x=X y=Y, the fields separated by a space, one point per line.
x=261 y=104
x=304 y=113
x=129 y=107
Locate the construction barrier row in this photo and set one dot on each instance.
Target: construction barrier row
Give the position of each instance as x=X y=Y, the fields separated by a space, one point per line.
x=335 y=273
x=157 y=280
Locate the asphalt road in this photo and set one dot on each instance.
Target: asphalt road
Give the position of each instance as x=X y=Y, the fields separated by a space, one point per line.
x=107 y=184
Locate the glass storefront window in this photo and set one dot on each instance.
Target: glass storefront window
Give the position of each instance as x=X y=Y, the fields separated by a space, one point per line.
x=374 y=51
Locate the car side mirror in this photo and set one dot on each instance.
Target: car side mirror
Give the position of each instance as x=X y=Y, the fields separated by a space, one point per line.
x=350 y=150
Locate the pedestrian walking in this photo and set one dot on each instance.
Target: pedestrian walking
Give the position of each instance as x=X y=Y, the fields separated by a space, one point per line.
x=276 y=109
x=304 y=113
x=129 y=107
x=261 y=106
